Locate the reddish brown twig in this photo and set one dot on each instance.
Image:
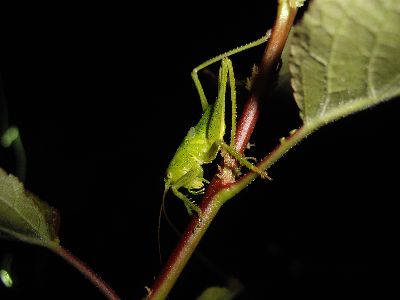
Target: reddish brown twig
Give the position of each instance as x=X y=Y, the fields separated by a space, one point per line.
x=95 y=279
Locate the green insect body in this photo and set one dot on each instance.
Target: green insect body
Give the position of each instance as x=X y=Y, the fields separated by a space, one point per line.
x=203 y=142
x=200 y=146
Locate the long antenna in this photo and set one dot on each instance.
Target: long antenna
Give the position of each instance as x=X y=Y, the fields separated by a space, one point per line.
x=162 y=210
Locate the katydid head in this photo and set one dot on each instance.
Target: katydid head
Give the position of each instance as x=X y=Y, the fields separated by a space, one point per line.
x=168 y=182
x=167 y=186
x=168 y=177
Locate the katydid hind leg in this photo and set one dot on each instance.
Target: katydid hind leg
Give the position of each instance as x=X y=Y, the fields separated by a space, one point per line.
x=244 y=162
x=216 y=125
x=232 y=85
x=195 y=77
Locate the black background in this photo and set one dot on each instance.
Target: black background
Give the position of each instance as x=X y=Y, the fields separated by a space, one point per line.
x=102 y=96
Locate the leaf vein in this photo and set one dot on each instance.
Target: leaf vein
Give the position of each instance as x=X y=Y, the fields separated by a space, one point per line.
x=370 y=69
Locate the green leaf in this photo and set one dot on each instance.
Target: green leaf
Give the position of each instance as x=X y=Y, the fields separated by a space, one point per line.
x=345 y=58
x=229 y=292
x=24 y=216
x=9 y=136
x=216 y=293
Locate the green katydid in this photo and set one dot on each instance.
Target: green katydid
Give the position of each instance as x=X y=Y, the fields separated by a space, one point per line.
x=203 y=141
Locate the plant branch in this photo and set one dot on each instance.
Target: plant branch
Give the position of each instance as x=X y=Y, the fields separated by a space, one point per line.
x=215 y=195
x=95 y=279
x=265 y=79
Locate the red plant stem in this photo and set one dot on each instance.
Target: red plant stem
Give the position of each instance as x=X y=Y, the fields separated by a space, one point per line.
x=261 y=85
x=107 y=291
x=185 y=248
x=247 y=123
x=266 y=76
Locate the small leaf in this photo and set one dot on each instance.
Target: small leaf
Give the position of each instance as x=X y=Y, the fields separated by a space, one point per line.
x=24 y=216
x=9 y=136
x=216 y=293
x=345 y=58
x=229 y=292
